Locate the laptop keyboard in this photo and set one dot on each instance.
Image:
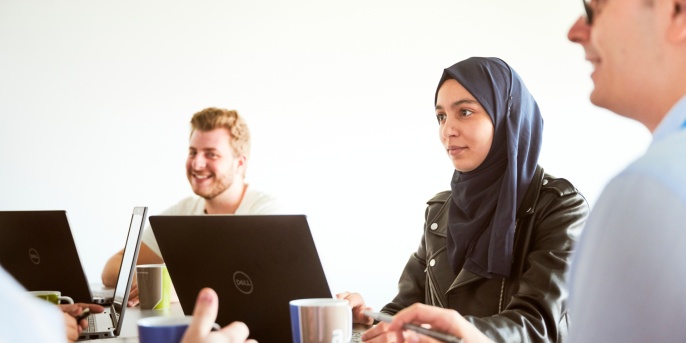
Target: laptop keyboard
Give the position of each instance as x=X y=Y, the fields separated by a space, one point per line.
x=357 y=337
x=99 y=322
x=91 y=324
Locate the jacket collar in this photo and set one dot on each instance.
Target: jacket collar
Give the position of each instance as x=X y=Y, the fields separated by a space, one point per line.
x=531 y=197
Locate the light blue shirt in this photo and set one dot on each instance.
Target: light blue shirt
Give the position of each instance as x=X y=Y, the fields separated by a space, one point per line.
x=628 y=281
x=27 y=319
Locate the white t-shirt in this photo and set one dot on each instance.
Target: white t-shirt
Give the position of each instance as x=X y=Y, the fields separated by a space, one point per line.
x=24 y=318
x=254 y=202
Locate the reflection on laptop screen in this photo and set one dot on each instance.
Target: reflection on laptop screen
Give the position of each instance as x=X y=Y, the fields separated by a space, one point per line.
x=129 y=252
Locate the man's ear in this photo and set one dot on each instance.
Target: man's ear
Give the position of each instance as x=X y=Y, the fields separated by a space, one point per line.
x=241 y=164
x=677 y=28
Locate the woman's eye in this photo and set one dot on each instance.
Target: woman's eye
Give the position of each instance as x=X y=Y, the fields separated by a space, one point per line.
x=440 y=117
x=465 y=112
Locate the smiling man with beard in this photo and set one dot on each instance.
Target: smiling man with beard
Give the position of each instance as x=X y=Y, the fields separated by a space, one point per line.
x=218 y=152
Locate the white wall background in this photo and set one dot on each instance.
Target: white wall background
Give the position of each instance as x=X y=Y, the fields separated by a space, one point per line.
x=95 y=97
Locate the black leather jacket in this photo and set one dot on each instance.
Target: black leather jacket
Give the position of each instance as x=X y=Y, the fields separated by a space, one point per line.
x=528 y=306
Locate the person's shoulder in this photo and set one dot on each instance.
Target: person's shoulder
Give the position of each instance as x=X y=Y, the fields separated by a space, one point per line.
x=186 y=206
x=661 y=165
x=663 y=159
x=557 y=185
x=440 y=197
x=256 y=193
x=256 y=201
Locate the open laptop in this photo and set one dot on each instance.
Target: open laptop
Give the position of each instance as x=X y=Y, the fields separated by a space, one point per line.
x=255 y=263
x=37 y=249
x=109 y=323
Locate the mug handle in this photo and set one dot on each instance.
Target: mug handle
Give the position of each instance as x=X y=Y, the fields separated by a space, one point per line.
x=65 y=298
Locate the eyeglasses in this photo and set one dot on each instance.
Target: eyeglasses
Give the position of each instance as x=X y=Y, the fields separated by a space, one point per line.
x=589 y=12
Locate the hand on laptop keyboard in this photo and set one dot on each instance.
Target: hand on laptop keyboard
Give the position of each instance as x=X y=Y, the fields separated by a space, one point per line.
x=73 y=311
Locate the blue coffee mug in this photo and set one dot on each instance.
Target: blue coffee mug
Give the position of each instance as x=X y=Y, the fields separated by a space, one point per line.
x=162 y=329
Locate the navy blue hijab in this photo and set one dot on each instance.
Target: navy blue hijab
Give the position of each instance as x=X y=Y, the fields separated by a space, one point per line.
x=481 y=220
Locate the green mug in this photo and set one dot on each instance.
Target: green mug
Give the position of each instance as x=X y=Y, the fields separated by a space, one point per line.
x=54 y=297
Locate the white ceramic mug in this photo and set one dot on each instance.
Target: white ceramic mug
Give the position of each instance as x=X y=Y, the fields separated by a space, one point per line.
x=321 y=320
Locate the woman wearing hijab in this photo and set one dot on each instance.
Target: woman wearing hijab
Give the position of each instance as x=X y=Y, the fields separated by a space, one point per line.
x=497 y=246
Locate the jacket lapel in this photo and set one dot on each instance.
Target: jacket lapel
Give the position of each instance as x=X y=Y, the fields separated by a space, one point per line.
x=463 y=278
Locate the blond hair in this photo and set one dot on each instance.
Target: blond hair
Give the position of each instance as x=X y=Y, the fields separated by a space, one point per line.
x=214 y=118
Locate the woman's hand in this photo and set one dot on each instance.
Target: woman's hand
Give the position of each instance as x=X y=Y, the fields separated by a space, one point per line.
x=358 y=306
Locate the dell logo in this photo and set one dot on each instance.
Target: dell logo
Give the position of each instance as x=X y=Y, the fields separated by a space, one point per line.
x=33 y=256
x=242 y=282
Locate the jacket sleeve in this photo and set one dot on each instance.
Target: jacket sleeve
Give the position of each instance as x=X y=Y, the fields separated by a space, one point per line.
x=412 y=283
x=536 y=309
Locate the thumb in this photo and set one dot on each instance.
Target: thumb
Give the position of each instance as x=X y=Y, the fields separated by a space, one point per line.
x=204 y=313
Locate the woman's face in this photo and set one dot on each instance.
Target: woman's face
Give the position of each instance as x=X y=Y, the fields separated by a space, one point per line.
x=465 y=129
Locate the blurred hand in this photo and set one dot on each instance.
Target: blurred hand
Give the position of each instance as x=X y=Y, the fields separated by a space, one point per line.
x=441 y=319
x=357 y=303
x=71 y=312
x=133 y=295
x=73 y=330
x=379 y=334
x=204 y=316
x=173 y=297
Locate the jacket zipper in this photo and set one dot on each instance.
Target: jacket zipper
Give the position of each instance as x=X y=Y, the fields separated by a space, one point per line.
x=435 y=297
x=502 y=294
x=502 y=285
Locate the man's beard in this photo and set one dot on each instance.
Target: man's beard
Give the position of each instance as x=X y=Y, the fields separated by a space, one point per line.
x=218 y=187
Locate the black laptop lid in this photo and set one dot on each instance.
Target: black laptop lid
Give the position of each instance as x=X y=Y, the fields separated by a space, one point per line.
x=38 y=250
x=255 y=263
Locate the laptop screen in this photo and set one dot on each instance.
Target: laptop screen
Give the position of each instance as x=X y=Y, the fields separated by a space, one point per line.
x=38 y=250
x=129 y=258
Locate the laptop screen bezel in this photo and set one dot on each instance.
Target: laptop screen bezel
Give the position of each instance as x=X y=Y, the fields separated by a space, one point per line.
x=118 y=307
